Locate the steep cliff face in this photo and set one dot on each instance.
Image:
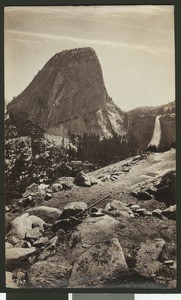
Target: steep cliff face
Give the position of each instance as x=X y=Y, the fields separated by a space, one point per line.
x=142 y=122
x=168 y=131
x=68 y=96
x=140 y=131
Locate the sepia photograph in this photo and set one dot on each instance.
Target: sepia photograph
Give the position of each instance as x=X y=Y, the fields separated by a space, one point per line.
x=90 y=162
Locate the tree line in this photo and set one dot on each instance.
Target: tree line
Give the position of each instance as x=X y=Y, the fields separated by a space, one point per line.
x=92 y=148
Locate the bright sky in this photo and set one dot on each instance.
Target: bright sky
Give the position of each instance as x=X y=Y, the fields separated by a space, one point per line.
x=135 y=46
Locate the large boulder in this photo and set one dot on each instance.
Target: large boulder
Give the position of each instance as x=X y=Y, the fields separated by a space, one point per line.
x=94 y=230
x=91 y=231
x=157 y=213
x=72 y=209
x=33 y=188
x=147 y=262
x=43 y=187
x=119 y=206
x=66 y=182
x=46 y=213
x=56 y=187
x=21 y=225
x=33 y=234
x=17 y=256
x=170 y=212
x=83 y=179
x=46 y=274
x=99 y=264
x=166 y=188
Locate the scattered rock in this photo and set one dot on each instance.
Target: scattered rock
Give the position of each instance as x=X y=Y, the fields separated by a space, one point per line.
x=157 y=213
x=114 y=176
x=66 y=186
x=141 y=195
x=97 y=214
x=149 y=213
x=94 y=209
x=147 y=257
x=42 y=241
x=105 y=178
x=20 y=226
x=98 y=264
x=16 y=256
x=10 y=282
x=24 y=202
x=82 y=180
x=33 y=188
x=166 y=188
x=43 y=188
x=25 y=244
x=52 y=243
x=56 y=187
x=168 y=262
x=132 y=215
x=46 y=253
x=47 y=226
x=72 y=209
x=46 y=213
x=152 y=190
x=7 y=208
x=142 y=212
x=134 y=207
x=45 y=274
x=120 y=207
x=126 y=170
x=66 y=182
x=115 y=213
x=8 y=245
x=93 y=180
x=48 y=196
x=33 y=234
x=66 y=224
x=170 y=212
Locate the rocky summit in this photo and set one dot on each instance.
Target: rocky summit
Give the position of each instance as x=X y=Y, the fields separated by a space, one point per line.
x=68 y=96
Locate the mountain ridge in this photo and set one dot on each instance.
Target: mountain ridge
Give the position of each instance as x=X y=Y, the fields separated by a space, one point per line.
x=69 y=86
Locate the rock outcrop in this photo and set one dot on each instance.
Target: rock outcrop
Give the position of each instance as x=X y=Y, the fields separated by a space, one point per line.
x=166 y=188
x=168 y=131
x=22 y=224
x=141 y=126
x=16 y=256
x=68 y=96
x=98 y=264
x=46 y=274
x=47 y=214
x=147 y=257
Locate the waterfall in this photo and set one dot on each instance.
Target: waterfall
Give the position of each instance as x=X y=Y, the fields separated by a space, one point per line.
x=156 y=133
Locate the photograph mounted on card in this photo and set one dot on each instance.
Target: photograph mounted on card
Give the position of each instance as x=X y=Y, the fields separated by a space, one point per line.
x=90 y=147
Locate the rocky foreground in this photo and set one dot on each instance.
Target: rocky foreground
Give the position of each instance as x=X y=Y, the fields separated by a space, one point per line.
x=114 y=227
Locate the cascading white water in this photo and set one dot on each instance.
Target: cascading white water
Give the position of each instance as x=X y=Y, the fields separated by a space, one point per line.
x=156 y=133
